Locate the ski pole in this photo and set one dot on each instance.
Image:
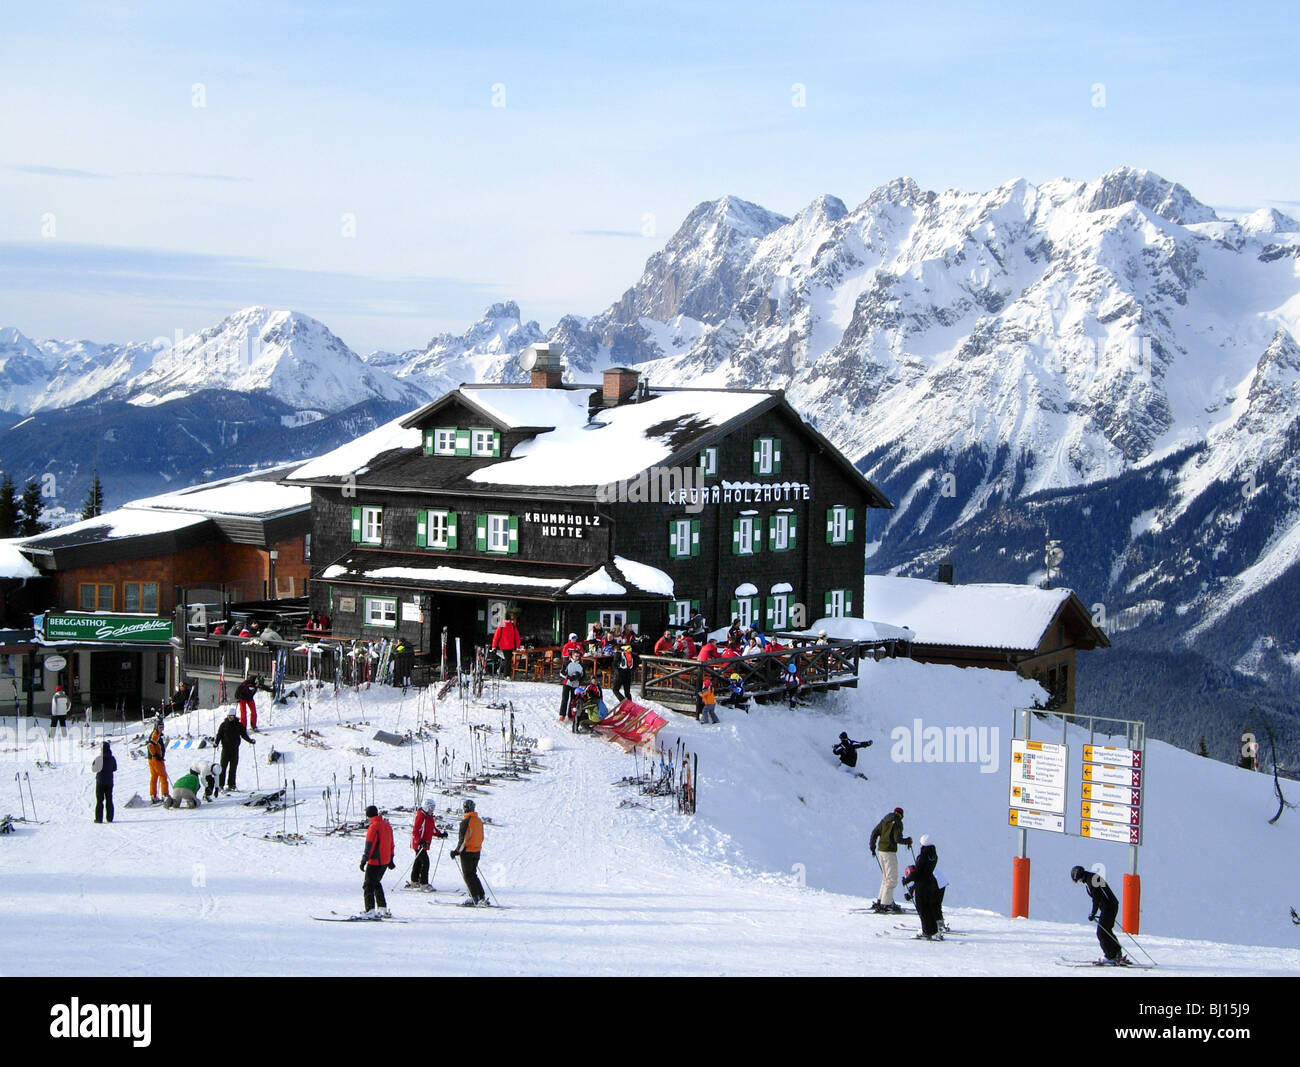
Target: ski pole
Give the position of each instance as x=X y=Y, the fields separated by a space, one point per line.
x=295 y=808
x=442 y=844
x=18 y=778
x=1138 y=946
x=27 y=775
x=483 y=878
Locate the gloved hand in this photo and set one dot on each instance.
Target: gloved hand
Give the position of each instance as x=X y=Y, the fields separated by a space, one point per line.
x=1092 y=918
x=866 y=744
x=907 y=841
x=363 y=866
x=392 y=866
x=873 y=851
x=454 y=853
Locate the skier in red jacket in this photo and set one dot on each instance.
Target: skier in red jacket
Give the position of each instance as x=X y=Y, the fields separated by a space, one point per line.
x=506 y=641
x=375 y=860
x=422 y=834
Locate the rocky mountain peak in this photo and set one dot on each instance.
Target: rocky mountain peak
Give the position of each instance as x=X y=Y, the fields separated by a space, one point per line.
x=1133 y=185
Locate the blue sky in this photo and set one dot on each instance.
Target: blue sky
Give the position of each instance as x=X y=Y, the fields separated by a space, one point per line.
x=354 y=161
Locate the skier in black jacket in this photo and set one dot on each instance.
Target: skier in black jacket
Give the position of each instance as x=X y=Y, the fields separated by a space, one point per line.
x=229 y=734
x=1104 y=902
x=926 y=888
x=847 y=750
x=105 y=764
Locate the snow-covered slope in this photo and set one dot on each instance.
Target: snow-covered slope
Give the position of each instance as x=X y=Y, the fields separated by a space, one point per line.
x=602 y=880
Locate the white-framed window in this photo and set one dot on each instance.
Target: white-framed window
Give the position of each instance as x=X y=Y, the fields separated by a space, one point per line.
x=438 y=527
x=781 y=529
x=444 y=441
x=683 y=538
x=767 y=455
x=778 y=611
x=746 y=535
x=498 y=533
x=839 y=525
x=372 y=526
x=679 y=614
x=709 y=462
x=838 y=603
x=745 y=611
x=613 y=620
x=381 y=611
x=484 y=442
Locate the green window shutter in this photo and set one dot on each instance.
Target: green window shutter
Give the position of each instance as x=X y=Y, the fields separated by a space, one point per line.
x=735 y=537
x=592 y=616
x=672 y=539
x=513 y=543
x=462 y=442
x=356 y=524
x=756 y=540
x=848 y=602
x=848 y=536
x=758 y=456
x=830 y=526
x=790 y=532
x=771 y=612
x=451 y=529
x=735 y=609
x=754 y=604
x=826 y=604
x=428 y=442
x=695 y=606
x=695 y=537
x=634 y=618
x=422 y=529
x=776 y=455
x=480 y=530
x=496 y=442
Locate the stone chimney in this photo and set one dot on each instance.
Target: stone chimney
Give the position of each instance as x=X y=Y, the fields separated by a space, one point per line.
x=547 y=368
x=619 y=385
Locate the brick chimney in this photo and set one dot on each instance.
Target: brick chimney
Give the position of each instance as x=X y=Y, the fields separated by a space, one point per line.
x=619 y=385
x=547 y=368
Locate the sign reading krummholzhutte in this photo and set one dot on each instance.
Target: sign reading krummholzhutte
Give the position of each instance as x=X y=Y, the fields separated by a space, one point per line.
x=119 y=629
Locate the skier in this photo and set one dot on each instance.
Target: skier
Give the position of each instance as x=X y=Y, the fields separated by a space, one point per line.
x=1104 y=902
x=246 y=694
x=403 y=663
x=704 y=703
x=921 y=878
x=185 y=790
x=469 y=845
x=59 y=708
x=375 y=860
x=736 y=696
x=211 y=781
x=155 y=750
x=887 y=836
x=229 y=734
x=105 y=764
x=847 y=750
x=571 y=681
x=423 y=832
x=623 y=665
x=506 y=641
x=793 y=684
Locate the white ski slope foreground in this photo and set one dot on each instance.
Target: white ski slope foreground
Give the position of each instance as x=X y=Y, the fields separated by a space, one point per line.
x=595 y=889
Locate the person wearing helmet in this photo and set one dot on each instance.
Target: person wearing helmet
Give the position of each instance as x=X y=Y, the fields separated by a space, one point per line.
x=185 y=791
x=59 y=708
x=885 y=839
x=375 y=860
x=469 y=845
x=793 y=683
x=155 y=749
x=624 y=664
x=926 y=889
x=1105 y=907
x=847 y=750
x=736 y=695
x=705 y=700
x=229 y=734
x=423 y=831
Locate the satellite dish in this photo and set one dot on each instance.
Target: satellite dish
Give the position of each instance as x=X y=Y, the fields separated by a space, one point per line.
x=528 y=358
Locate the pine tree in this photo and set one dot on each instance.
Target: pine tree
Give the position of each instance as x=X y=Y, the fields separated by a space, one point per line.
x=8 y=507
x=94 y=505
x=32 y=506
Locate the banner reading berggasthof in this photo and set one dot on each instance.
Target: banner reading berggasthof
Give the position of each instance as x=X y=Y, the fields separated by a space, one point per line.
x=121 y=629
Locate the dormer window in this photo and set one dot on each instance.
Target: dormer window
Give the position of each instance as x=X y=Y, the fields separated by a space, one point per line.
x=485 y=442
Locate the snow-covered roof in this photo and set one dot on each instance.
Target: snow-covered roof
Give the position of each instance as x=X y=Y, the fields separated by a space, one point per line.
x=975 y=616
x=845 y=629
x=13 y=564
x=112 y=525
x=246 y=494
x=617 y=444
x=643 y=576
x=598 y=583
x=457 y=575
x=356 y=456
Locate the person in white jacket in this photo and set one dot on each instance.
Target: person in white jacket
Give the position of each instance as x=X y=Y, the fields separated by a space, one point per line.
x=59 y=708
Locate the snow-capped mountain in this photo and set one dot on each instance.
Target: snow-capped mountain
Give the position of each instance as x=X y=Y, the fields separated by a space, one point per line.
x=283 y=354
x=487 y=351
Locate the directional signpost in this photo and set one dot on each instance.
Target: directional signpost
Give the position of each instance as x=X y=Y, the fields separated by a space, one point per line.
x=1039 y=778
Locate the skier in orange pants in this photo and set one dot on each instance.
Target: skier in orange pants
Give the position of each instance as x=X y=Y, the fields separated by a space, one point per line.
x=155 y=750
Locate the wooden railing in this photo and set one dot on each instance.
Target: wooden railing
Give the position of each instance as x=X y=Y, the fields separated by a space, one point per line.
x=203 y=655
x=676 y=681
